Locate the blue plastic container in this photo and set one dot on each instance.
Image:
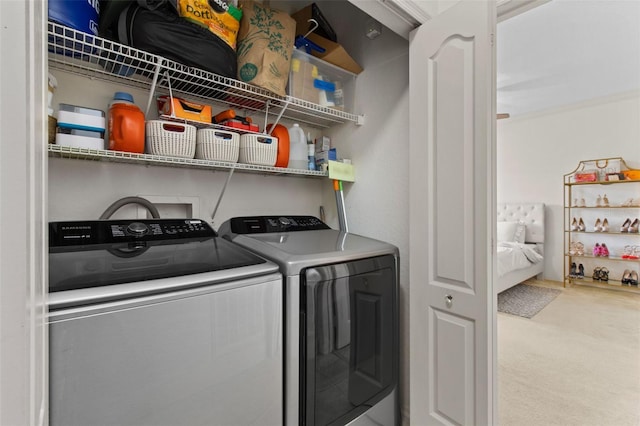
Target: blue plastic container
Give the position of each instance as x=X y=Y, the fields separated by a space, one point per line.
x=81 y=15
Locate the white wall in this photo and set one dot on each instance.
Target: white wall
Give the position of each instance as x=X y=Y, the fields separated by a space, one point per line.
x=536 y=150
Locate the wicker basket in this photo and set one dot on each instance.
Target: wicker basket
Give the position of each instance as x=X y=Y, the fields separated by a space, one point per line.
x=258 y=149
x=170 y=139
x=219 y=145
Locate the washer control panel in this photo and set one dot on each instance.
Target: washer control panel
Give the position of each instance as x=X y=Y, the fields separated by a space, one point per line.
x=267 y=224
x=116 y=231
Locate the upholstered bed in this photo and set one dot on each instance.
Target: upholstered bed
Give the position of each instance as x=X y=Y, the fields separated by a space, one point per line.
x=520 y=243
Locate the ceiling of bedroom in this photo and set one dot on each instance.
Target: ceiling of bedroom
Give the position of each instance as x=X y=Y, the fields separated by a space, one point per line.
x=567 y=51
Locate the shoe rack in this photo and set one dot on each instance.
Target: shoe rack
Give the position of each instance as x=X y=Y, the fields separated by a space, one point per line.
x=601 y=223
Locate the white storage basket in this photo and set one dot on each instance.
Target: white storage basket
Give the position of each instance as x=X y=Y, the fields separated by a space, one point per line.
x=258 y=149
x=219 y=145
x=171 y=139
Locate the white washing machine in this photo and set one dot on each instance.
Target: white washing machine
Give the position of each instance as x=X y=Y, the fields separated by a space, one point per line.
x=161 y=322
x=341 y=318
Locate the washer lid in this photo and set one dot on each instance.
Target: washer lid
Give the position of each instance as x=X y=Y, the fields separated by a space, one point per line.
x=100 y=253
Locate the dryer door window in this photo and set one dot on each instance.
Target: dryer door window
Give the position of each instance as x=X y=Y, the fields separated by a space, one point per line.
x=350 y=339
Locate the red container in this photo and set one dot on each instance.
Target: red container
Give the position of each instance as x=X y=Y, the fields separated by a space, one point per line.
x=126 y=128
x=281 y=132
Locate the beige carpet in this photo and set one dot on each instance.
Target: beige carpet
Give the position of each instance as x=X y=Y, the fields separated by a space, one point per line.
x=577 y=362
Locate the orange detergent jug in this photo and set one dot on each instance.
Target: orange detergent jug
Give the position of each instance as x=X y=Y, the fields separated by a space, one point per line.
x=281 y=132
x=126 y=124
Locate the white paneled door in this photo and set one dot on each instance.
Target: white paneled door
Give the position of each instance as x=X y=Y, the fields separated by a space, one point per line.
x=452 y=308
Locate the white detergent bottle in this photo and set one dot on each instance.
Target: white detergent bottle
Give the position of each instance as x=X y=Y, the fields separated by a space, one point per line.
x=297 y=148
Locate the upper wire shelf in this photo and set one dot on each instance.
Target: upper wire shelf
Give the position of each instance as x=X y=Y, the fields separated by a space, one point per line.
x=98 y=58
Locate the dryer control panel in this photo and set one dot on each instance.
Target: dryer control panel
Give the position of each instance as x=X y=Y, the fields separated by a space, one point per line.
x=267 y=224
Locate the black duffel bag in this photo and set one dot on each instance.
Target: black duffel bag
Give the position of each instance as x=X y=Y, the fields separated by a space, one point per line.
x=159 y=30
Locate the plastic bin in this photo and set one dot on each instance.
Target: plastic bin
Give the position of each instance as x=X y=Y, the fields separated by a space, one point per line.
x=171 y=139
x=314 y=80
x=258 y=149
x=218 y=145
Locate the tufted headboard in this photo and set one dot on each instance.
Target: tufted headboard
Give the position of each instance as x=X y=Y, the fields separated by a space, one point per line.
x=532 y=214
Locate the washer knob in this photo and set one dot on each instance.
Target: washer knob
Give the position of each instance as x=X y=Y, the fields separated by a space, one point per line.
x=284 y=221
x=137 y=229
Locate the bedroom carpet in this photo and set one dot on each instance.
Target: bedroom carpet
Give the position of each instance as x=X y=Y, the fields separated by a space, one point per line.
x=575 y=363
x=525 y=300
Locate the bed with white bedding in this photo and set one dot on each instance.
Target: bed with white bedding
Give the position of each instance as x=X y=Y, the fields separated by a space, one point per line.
x=520 y=243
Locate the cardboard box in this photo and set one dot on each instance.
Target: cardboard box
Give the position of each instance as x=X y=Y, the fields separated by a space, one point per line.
x=324 y=158
x=303 y=25
x=323 y=144
x=334 y=53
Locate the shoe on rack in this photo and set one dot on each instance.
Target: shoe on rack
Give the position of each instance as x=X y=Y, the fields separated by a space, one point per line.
x=635 y=253
x=598 y=226
x=628 y=251
x=574 y=224
x=605 y=201
x=604 y=274
x=599 y=201
x=580 y=271
x=634 y=226
x=581 y=225
x=582 y=203
x=605 y=225
x=625 y=277
x=633 y=278
x=573 y=273
x=597 y=250
x=625 y=225
x=604 y=251
x=579 y=249
x=596 y=274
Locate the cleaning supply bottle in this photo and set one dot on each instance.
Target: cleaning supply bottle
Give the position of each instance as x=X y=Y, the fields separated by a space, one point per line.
x=126 y=124
x=297 y=148
x=311 y=153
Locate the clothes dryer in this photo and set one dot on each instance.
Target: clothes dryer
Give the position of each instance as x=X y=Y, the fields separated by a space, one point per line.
x=341 y=318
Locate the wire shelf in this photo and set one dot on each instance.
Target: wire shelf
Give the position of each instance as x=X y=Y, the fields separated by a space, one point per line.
x=97 y=58
x=59 y=151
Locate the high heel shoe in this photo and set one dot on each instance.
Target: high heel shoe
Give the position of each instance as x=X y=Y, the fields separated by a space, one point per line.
x=581 y=225
x=582 y=203
x=599 y=201
x=634 y=226
x=605 y=201
x=574 y=224
x=579 y=249
x=605 y=225
x=598 y=226
x=625 y=277
x=581 y=272
x=633 y=278
x=635 y=253
x=573 y=272
x=604 y=251
x=625 y=225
